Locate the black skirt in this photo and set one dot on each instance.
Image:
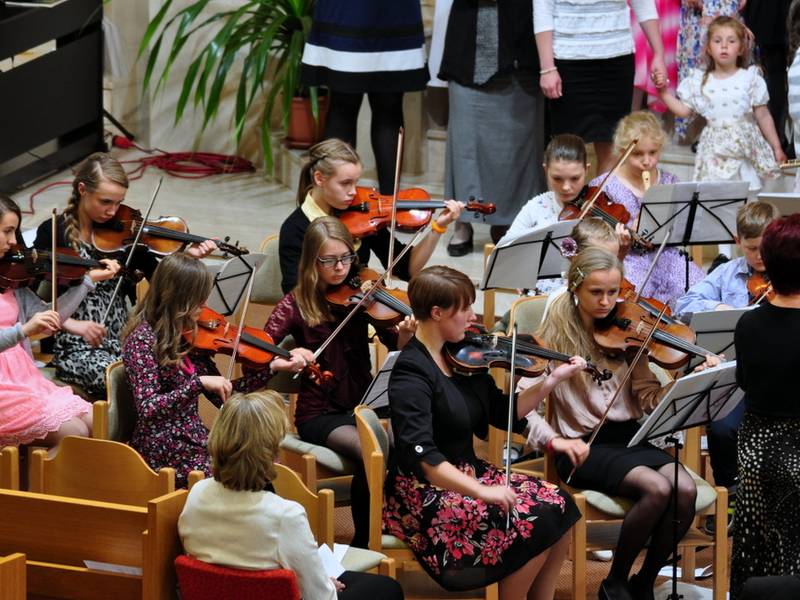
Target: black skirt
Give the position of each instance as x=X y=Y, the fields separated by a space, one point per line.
x=610 y=459
x=596 y=95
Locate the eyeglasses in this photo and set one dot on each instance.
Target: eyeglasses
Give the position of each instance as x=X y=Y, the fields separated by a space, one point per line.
x=330 y=262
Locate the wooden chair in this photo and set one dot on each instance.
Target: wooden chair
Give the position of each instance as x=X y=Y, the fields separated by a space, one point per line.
x=57 y=534
x=374 y=449
x=319 y=509
x=101 y=470
x=203 y=581
x=12 y=577
x=121 y=411
x=527 y=314
x=9 y=468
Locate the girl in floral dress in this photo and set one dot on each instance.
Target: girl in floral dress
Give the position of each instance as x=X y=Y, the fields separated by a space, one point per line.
x=33 y=408
x=449 y=506
x=668 y=279
x=166 y=378
x=739 y=142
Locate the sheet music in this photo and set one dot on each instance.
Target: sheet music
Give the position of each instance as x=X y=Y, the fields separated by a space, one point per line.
x=521 y=261
x=696 y=399
x=787 y=203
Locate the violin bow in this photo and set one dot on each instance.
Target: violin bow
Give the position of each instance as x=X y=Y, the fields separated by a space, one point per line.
x=133 y=249
x=366 y=296
x=238 y=338
x=53 y=260
x=393 y=221
x=588 y=206
x=623 y=382
x=652 y=266
x=764 y=295
x=512 y=374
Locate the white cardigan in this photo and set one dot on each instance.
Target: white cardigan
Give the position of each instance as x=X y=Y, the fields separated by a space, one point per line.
x=590 y=29
x=253 y=530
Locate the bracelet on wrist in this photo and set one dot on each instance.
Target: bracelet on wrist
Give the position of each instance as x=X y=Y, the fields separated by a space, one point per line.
x=438 y=228
x=550 y=70
x=549 y=446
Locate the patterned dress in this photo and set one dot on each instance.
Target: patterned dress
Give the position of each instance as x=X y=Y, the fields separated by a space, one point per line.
x=461 y=542
x=731 y=146
x=668 y=280
x=669 y=12
x=691 y=40
x=169 y=432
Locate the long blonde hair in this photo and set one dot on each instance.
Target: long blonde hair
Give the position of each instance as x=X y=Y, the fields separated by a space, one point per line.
x=95 y=169
x=179 y=285
x=324 y=157
x=563 y=330
x=308 y=293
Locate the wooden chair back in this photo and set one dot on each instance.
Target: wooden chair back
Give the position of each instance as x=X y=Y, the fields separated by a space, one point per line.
x=267 y=284
x=100 y=470
x=374 y=450
x=57 y=534
x=12 y=577
x=9 y=468
x=319 y=506
x=122 y=416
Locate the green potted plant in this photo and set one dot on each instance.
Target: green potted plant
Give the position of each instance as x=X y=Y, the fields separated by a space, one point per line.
x=268 y=35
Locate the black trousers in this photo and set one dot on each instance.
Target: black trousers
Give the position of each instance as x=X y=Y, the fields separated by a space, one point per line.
x=776 y=587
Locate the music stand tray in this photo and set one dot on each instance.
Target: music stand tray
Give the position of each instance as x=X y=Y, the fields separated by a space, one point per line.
x=534 y=254
x=714 y=330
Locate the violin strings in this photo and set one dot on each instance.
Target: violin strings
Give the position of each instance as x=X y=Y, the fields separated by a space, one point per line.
x=680 y=343
x=536 y=350
x=386 y=298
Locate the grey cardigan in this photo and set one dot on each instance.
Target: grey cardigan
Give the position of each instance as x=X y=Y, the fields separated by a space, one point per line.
x=29 y=304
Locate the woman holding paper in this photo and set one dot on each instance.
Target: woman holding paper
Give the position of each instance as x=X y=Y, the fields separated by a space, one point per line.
x=234 y=519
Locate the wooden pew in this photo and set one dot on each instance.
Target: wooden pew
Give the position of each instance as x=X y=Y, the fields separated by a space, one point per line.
x=12 y=577
x=57 y=534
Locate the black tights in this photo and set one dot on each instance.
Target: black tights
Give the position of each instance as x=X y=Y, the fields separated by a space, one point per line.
x=651 y=518
x=387 y=118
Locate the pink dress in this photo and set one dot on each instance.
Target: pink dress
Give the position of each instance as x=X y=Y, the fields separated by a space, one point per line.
x=669 y=18
x=30 y=405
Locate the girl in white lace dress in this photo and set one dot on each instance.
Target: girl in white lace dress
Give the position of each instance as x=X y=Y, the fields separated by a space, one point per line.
x=740 y=141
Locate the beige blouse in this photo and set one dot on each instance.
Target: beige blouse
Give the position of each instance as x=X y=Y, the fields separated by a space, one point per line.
x=577 y=413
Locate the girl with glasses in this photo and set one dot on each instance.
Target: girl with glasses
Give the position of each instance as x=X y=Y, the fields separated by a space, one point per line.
x=324 y=414
x=327 y=185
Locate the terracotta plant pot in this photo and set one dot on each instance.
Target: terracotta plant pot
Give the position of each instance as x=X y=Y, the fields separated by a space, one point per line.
x=303 y=131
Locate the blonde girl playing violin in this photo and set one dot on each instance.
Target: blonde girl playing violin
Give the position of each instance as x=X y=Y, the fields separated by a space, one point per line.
x=166 y=377
x=327 y=185
x=324 y=414
x=643 y=473
x=81 y=356
x=32 y=408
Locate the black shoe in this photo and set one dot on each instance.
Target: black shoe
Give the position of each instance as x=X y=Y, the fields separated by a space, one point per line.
x=461 y=248
x=640 y=590
x=614 y=589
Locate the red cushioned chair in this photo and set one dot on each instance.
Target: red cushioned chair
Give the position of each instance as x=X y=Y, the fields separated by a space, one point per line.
x=202 y=581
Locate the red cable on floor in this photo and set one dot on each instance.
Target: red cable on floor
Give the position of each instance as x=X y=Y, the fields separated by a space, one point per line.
x=187 y=165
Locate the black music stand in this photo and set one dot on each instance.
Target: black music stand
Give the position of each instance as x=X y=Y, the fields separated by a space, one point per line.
x=693 y=213
x=230 y=282
x=694 y=400
x=377 y=394
x=521 y=261
x=714 y=330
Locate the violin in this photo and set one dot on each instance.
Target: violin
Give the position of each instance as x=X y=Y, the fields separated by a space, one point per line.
x=760 y=288
x=24 y=267
x=480 y=350
x=163 y=236
x=385 y=307
x=628 y=324
x=256 y=347
x=371 y=211
x=603 y=208
x=627 y=291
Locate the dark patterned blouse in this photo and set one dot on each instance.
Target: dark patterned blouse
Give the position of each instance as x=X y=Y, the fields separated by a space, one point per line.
x=169 y=432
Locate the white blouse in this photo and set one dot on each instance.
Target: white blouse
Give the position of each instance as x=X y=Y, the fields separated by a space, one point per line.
x=590 y=29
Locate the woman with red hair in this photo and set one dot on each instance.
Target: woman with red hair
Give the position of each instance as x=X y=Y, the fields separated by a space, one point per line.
x=767 y=530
